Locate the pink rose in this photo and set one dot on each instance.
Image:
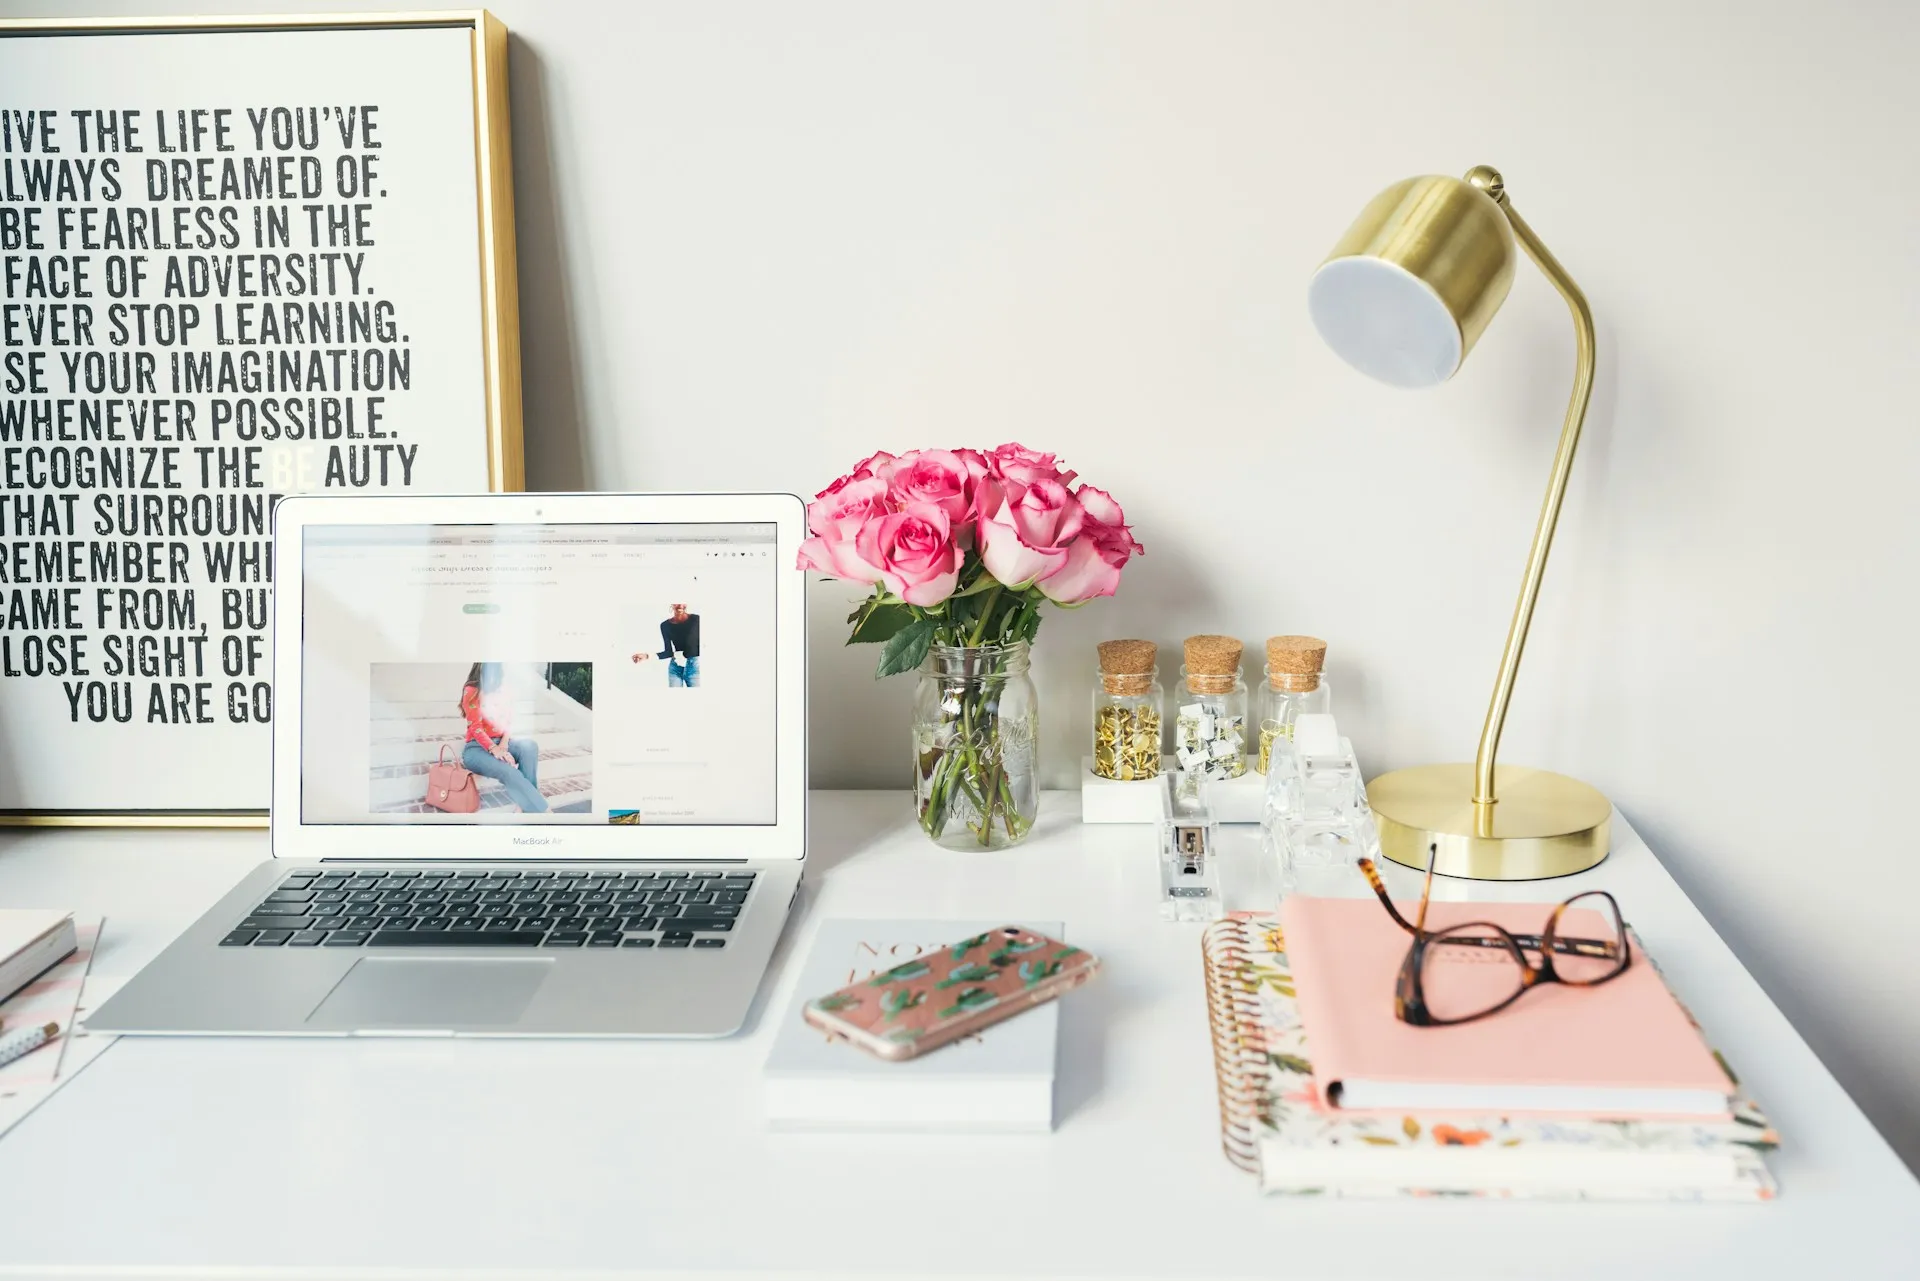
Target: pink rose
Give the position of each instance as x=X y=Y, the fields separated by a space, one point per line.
x=835 y=519
x=1018 y=467
x=1028 y=537
x=976 y=462
x=878 y=463
x=939 y=479
x=918 y=559
x=1094 y=559
x=874 y=464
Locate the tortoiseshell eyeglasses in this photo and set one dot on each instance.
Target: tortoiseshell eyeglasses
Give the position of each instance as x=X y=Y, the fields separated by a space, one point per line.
x=1468 y=971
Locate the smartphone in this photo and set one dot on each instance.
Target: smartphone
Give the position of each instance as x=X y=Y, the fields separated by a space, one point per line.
x=940 y=996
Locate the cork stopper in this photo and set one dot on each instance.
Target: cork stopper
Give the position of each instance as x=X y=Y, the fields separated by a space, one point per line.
x=1294 y=662
x=1127 y=666
x=1212 y=663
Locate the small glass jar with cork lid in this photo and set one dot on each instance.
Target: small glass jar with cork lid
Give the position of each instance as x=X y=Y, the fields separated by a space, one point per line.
x=1293 y=686
x=1210 y=723
x=1126 y=711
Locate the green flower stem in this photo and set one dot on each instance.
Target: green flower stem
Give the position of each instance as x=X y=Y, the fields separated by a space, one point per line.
x=986 y=612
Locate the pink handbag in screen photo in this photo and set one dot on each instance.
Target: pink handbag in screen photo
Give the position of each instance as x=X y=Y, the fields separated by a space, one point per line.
x=451 y=786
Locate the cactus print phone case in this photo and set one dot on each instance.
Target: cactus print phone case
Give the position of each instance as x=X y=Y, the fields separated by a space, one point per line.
x=943 y=995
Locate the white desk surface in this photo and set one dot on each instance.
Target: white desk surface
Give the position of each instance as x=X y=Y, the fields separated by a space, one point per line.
x=428 y=1158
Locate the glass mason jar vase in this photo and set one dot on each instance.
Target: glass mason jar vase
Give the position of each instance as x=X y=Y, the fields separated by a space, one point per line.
x=976 y=741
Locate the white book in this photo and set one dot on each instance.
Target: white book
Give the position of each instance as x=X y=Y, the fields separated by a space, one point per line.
x=1000 y=1080
x=31 y=943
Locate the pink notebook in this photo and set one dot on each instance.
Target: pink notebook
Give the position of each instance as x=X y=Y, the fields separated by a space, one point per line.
x=1622 y=1049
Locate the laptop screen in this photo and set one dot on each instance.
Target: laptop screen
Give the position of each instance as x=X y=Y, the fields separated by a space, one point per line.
x=538 y=674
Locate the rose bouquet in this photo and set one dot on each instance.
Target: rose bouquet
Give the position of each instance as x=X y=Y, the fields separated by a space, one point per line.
x=962 y=548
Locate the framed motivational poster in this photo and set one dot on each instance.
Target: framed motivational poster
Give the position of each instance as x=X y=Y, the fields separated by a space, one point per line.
x=240 y=258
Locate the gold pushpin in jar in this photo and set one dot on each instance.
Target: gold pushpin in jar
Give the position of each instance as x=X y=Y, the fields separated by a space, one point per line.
x=1126 y=711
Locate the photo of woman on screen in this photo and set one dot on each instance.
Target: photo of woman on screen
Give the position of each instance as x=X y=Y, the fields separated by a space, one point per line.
x=491 y=750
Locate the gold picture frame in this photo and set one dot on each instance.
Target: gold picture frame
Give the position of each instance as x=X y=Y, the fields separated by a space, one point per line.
x=498 y=304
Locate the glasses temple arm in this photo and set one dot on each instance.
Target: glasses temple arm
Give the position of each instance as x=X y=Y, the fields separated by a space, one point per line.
x=1372 y=874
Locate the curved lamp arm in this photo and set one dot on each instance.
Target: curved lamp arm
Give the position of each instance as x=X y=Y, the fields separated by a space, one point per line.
x=1484 y=796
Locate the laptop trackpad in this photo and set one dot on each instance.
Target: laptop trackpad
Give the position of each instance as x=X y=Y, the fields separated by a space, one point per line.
x=431 y=993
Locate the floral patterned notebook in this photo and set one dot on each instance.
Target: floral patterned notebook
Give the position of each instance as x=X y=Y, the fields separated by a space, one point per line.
x=1272 y=1124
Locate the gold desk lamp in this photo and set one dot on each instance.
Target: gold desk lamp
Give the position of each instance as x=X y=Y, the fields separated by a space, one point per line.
x=1402 y=298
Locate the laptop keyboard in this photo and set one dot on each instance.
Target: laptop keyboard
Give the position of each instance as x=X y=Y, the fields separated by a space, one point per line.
x=323 y=907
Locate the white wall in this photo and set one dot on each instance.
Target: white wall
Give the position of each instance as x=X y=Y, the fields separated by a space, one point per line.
x=761 y=238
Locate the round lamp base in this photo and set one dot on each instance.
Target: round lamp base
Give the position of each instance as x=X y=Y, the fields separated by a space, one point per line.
x=1543 y=825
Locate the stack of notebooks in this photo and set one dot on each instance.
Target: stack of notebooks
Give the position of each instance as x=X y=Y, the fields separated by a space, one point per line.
x=1603 y=1093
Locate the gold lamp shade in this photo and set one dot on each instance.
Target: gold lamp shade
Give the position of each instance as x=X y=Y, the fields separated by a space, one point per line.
x=1403 y=297
x=1409 y=289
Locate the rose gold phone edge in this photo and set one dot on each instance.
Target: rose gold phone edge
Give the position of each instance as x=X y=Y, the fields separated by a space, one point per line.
x=947 y=1033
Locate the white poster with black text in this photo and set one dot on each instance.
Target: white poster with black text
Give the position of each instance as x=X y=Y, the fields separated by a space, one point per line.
x=234 y=265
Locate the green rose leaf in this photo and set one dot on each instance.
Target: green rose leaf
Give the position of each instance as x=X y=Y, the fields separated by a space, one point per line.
x=906 y=649
x=875 y=623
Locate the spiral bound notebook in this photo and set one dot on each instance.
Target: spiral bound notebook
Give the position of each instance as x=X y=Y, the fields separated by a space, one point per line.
x=1272 y=1123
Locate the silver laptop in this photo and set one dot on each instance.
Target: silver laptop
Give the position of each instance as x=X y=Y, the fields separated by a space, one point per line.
x=539 y=769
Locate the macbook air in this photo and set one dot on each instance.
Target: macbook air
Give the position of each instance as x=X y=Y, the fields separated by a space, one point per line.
x=539 y=769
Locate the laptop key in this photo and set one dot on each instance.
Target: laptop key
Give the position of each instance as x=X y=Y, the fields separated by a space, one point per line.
x=280 y=909
x=239 y=938
x=408 y=938
x=346 y=938
x=329 y=922
x=604 y=938
x=709 y=942
x=291 y=896
x=566 y=938
x=641 y=942
x=706 y=924
x=272 y=938
x=676 y=940
x=307 y=938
